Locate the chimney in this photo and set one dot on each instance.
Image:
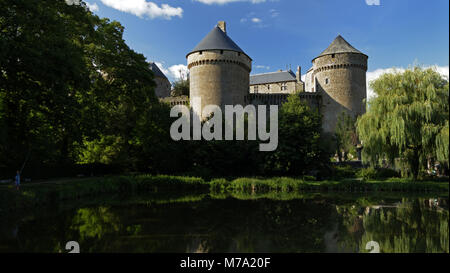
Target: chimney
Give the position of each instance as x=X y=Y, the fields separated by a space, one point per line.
x=299 y=74
x=222 y=25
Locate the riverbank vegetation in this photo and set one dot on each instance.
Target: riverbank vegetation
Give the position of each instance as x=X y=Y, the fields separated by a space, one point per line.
x=47 y=193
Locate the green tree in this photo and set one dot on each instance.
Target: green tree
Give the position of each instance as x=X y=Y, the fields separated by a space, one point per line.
x=69 y=85
x=408 y=120
x=43 y=79
x=300 y=148
x=442 y=148
x=180 y=87
x=345 y=135
x=122 y=92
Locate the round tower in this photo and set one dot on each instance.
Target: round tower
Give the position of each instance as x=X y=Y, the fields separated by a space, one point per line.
x=339 y=74
x=219 y=71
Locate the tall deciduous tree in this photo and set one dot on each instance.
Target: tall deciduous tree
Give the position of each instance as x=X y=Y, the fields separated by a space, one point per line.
x=42 y=78
x=300 y=147
x=66 y=77
x=408 y=120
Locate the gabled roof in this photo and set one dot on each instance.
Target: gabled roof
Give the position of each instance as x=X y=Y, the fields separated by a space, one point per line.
x=339 y=45
x=217 y=40
x=273 y=77
x=157 y=71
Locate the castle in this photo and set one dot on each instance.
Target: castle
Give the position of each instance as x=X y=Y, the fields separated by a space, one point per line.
x=162 y=88
x=219 y=73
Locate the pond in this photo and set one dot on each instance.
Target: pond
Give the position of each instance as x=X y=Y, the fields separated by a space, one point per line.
x=204 y=223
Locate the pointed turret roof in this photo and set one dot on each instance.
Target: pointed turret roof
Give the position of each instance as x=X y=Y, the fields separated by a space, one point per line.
x=217 y=40
x=339 y=45
x=157 y=71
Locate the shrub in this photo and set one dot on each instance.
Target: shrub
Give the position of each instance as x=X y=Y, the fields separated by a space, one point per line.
x=380 y=173
x=341 y=172
x=367 y=174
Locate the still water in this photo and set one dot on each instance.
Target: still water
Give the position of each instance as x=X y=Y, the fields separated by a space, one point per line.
x=204 y=223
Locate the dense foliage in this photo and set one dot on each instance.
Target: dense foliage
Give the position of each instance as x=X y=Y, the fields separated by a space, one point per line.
x=301 y=148
x=72 y=91
x=180 y=87
x=408 y=120
x=345 y=136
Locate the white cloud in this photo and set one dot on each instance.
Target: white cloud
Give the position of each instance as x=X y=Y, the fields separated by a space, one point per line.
x=222 y=2
x=373 y=2
x=92 y=7
x=274 y=13
x=174 y=72
x=256 y=20
x=373 y=75
x=179 y=71
x=443 y=70
x=142 y=8
x=262 y=67
x=260 y=20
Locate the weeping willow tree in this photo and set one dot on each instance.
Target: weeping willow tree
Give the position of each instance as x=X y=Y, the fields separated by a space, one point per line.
x=407 y=121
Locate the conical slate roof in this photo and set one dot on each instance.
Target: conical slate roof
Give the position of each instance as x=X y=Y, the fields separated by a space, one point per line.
x=217 y=40
x=273 y=77
x=339 y=45
x=156 y=70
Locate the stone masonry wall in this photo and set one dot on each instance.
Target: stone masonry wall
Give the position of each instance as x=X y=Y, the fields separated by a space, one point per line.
x=341 y=81
x=275 y=88
x=218 y=77
x=162 y=88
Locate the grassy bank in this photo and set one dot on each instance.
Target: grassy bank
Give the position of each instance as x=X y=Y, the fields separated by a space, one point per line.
x=38 y=194
x=47 y=193
x=285 y=184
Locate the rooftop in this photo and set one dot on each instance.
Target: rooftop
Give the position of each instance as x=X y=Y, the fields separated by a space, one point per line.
x=273 y=77
x=339 y=45
x=217 y=40
x=157 y=71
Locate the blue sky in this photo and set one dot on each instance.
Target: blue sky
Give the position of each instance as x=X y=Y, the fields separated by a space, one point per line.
x=279 y=33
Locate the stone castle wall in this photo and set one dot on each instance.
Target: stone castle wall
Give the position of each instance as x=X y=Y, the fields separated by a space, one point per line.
x=291 y=87
x=340 y=79
x=219 y=77
x=313 y=100
x=179 y=100
x=162 y=88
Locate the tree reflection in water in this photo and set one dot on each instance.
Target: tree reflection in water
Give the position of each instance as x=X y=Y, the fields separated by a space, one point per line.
x=231 y=225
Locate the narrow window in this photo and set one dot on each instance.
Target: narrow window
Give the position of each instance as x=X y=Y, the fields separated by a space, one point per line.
x=200 y=53
x=332 y=56
x=326 y=81
x=221 y=52
x=283 y=86
x=255 y=89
